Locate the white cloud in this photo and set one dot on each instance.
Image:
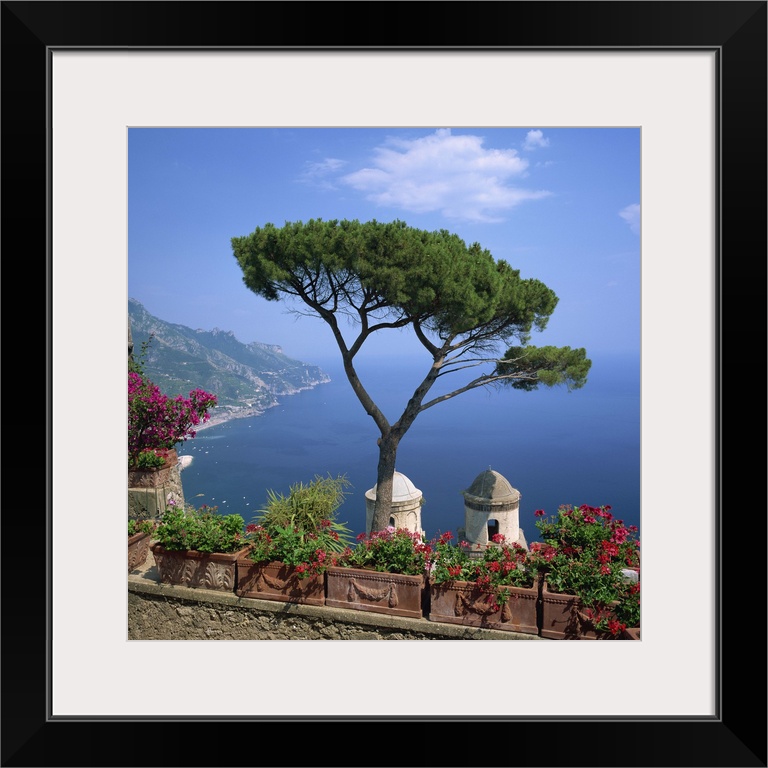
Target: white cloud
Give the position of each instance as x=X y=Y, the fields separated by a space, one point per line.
x=318 y=172
x=455 y=175
x=631 y=214
x=534 y=140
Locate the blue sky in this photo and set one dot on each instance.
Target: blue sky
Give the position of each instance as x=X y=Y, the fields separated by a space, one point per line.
x=562 y=205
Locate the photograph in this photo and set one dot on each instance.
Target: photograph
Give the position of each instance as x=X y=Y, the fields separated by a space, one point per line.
x=438 y=317
x=443 y=316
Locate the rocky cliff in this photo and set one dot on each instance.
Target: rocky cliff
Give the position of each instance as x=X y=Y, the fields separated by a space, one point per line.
x=246 y=378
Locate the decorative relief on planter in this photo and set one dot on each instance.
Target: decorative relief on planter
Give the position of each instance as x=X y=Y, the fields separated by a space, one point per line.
x=203 y=570
x=278 y=581
x=138 y=549
x=363 y=590
x=462 y=602
x=564 y=617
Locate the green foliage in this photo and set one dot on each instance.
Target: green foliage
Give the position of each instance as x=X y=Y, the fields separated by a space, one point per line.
x=544 y=365
x=585 y=551
x=200 y=529
x=393 y=270
x=390 y=550
x=450 y=562
x=307 y=507
x=141 y=526
x=501 y=565
x=137 y=363
x=150 y=459
x=309 y=552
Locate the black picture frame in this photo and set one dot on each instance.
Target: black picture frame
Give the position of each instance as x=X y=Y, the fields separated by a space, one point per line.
x=736 y=736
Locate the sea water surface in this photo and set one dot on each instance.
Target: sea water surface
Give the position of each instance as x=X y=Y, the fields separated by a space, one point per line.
x=554 y=446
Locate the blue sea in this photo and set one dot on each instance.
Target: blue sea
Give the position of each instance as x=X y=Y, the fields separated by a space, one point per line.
x=554 y=446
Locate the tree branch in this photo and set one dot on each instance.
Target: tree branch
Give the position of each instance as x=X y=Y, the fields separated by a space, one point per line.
x=481 y=381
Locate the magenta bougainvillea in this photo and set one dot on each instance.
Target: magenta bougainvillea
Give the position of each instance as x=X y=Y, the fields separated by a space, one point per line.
x=156 y=422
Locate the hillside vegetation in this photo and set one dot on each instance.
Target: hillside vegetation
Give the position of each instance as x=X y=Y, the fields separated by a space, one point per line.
x=244 y=377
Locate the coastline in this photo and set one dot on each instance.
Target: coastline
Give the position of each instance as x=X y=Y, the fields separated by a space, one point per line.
x=232 y=412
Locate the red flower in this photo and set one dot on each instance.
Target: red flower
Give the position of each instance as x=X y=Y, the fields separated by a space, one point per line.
x=615 y=627
x=610 y=548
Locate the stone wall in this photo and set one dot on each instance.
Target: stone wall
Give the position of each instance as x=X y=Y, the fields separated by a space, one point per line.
x=166 y=612
x=150 y=502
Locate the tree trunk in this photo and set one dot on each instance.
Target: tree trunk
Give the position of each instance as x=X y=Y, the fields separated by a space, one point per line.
x=385 y=473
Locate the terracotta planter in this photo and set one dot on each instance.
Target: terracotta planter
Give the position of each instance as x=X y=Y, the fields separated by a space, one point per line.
x=363 y=590
x=563 y=617
x=204 y=570
x=155 y=477
x=462 y=602
x=138 y=549
x=278 y=581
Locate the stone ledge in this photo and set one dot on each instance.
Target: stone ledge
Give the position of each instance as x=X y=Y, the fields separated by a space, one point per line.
x=210 y=614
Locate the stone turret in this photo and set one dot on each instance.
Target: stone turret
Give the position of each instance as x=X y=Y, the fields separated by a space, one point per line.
x=491 y=506
x=406 y=505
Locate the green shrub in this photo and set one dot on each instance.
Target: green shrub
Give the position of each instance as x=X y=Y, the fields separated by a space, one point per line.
x=201 y=529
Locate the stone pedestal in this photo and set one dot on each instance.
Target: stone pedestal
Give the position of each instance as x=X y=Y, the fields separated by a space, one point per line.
x=149 y=491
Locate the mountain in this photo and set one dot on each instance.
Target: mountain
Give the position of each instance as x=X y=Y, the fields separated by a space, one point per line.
x=246 y=378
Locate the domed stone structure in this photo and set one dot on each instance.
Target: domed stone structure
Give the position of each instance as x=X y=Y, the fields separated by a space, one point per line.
x=406 y=505
x=491 y=506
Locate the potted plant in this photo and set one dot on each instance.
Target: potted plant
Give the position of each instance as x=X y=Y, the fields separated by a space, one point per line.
x=292 y=543
x=139 y=532
x=384 y=572
x=499 y=589
x=591 y=566
x=286 y=563
x=199 y=547
x=156 y=423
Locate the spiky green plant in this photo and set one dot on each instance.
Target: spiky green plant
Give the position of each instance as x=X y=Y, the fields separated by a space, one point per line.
x=306 y=506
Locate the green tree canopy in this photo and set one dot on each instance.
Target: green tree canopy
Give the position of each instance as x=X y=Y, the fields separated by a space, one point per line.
x=463 y=305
